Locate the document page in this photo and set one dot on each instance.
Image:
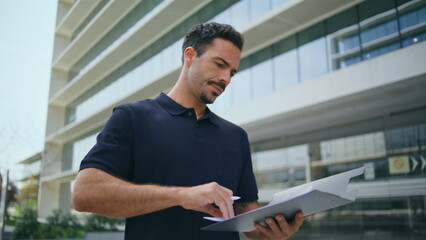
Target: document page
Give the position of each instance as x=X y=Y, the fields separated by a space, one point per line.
x=310 y=198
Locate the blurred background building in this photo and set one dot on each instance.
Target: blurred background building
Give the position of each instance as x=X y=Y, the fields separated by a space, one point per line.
x=323 y=87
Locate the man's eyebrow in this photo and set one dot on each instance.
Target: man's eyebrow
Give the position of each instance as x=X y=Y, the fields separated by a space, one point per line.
x=233 y=71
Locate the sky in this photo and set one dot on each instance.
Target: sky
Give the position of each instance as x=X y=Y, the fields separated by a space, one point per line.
x=26 y=45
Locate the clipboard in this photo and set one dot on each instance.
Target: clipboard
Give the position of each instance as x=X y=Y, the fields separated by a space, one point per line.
x=310 y=198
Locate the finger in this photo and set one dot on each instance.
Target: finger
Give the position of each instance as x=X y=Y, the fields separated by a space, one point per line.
x=264 y=230
x=229 y=205
x=298 y=220
x=209 y=209
x=225 y=204
x=272 y=224
x=222 y=207
x=282 y=222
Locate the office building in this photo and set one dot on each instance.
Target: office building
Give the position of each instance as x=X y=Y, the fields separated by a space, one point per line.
x=323 y=87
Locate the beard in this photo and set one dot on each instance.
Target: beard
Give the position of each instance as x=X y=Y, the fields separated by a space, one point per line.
x=204 y=99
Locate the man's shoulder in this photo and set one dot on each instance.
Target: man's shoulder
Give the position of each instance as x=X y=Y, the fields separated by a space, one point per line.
x=138 y=106
x=228 y=125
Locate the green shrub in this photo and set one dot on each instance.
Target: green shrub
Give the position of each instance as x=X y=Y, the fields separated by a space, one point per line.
x=97 y=223
x=28 y=227
x=61 y=225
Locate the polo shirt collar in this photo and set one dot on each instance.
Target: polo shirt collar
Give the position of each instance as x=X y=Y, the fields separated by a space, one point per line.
x=174 y=108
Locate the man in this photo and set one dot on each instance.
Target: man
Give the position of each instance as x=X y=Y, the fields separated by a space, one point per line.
x=165 y=163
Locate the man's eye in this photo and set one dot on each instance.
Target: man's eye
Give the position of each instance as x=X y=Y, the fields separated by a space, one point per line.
x=220 y=65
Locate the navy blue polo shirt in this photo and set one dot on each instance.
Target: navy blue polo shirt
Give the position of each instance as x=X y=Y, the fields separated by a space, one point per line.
x=158 y=141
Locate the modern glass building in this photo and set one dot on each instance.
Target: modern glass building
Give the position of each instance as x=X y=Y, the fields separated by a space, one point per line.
x=324 y=86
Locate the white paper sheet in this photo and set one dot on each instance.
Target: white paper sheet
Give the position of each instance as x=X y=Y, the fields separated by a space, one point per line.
x=310 y=198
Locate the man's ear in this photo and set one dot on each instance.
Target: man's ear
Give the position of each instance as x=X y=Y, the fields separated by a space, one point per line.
x=189 y=55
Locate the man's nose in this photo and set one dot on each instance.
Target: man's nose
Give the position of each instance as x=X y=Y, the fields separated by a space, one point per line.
x=225 y=78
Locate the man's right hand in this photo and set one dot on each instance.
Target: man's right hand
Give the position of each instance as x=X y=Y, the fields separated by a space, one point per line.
x=201 y=198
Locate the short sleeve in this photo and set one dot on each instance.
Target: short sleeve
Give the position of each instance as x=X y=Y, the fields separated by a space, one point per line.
x=247 y=188
x=113 y=151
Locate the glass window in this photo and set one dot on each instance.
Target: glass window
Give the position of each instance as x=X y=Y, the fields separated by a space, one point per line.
x=262 y=78
x=286 y=72
x=297 y=156
x=67 y=153
x=274 y=177
x=372 y=8
x=258 y=8
x=70 y=114
x=224 y=100
x=343 y=39
x=241 y=87
x=379 y=27
x=380 y=50
x=412 y=19
x=240 y=14
x=81 y=148
x=313 y=61
x=271 y=159
x=312 y=52
x=283 y=165
x=223 y=17
x=277 y=3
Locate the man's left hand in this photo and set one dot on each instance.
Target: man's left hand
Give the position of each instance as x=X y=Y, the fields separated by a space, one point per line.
x=278 y=228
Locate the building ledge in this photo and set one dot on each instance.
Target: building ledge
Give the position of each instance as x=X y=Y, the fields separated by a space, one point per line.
x=65 y=176
x=75 y=16
x=112 y=13
x=34 y=158
x=165 y=16
x=291 y=17
x=98 y=118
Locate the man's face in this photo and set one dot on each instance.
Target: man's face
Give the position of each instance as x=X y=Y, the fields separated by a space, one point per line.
x=210 y=73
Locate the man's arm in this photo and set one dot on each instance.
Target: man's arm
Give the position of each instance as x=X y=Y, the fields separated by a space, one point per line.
x=99 y=192
x=277 y=228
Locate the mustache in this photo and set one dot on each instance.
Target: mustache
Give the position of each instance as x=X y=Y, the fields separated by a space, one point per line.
x=219 y=84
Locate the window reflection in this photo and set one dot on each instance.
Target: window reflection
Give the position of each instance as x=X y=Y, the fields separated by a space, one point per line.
x=390 y=201
x=240 y=14
x=313 y=59
x=343 y=39
x=285 y=64
x=412 y=14
x=281 y=167
x=241 y=87
x=277 y=3
x=74 y=151
x=312 y=52
x=262 y=79
x=379 y=28
x=258 y=8
x=224 y=101
x=285 y=70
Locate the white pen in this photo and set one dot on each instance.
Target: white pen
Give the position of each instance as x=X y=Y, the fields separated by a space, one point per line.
x=235 y=198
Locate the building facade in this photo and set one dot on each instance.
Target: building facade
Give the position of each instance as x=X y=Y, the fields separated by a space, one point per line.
x=323 y=87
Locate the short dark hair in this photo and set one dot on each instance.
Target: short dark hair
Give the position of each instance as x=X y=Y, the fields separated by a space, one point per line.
x=203 y=34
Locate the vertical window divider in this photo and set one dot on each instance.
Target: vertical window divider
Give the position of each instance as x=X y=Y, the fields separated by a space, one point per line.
x=299 y=74
x=361 y=49
x=398 y=25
